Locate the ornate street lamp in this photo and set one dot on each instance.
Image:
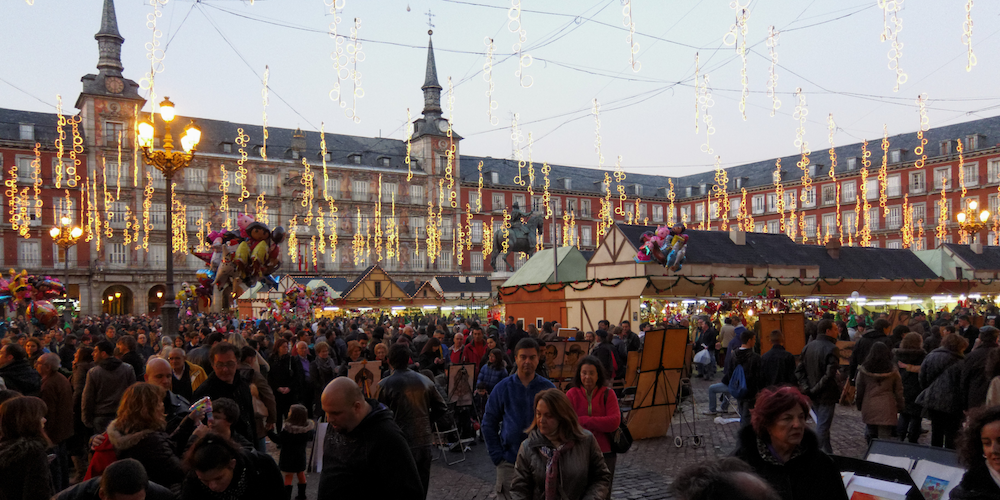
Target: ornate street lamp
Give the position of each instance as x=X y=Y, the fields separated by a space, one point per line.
x=969 y=223
x=66 y=237
x=169 y=162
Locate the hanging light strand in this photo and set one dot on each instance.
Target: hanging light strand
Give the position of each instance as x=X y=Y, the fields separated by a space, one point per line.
x=924 y=125
x=967 y=36
x=706 y=102
x=671 y=197
x=154 y=53
x=36 y=181
x=832 y=127
x=633 y=46
x=779 y=193
x=892 y=24
x=866 y=231
x=883 y=172
x=737 y=37
x=60 y=144
x=409 y=138
x=524 y=60
x=241 y=170
x=224 y=187
x=772 y=76
x=491 y=104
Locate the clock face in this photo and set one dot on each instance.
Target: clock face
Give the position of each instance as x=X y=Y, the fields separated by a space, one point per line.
x=114 y=85
x=443 y=125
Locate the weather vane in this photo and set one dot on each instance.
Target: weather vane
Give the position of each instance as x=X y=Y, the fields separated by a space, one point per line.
x=430 y=22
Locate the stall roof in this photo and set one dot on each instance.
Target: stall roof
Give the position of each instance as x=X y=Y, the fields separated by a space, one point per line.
x=457 y=284
x=870 y=263
x=989 y=260
x=540 y=268
x=336 y=284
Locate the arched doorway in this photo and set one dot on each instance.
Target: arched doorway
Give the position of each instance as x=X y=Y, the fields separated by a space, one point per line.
x=156 y=298
x=117 y=300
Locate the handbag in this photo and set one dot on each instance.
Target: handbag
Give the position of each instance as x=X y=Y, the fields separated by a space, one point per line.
x=848 y=394
x=620 y=440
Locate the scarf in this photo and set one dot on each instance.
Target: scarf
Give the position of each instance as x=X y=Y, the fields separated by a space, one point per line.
x=552 y=468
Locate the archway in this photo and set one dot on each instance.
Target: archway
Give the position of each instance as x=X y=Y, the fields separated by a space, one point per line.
x=117 y=300
x=156 y=298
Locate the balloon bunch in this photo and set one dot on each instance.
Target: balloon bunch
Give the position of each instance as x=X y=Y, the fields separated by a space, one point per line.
x=296 y=300
x=33 y=294
x=250 y=254
x=319 y=296
x=186 y=293
x=666 y=246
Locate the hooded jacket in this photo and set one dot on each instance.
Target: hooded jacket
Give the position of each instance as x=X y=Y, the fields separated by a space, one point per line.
x=911 y=380
x=415 y=404
x=360 y=463
x=24 y=470
x=940 y=376
x=750 y=361
x=809 y=475
x=293 y=440
x=864 y=346
x=155 y=450
x=582 y=472
x=879 y=396
x=777 y=367
x=105 y=386
x=21 y=377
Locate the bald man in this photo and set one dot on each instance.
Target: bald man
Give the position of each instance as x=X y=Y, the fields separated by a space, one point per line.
x=362 y=445
x=175 y=406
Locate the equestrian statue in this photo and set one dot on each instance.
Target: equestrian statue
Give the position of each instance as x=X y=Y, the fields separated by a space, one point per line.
x=521 y=237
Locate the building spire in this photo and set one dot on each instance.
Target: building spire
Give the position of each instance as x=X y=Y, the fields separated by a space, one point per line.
x=109 y=42
x=431 y=87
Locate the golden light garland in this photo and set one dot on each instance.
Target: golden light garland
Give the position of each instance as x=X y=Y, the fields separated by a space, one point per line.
x=961 y=167
x=491 y=104
x=135 y=236
x=891 y=26
x=720 y=189
x=883 y=171
x=748 y=222
x=128 y=226
x=772 y=77
x=920 y=230
x=941 y=231
x=833 y=172
x=479 y=192
x=515 y=146
x=154 y=54
x=741 y=216
x=432 y=239
x=505 y=231
x=378 y=222
x=147 y=203
x=524 y=60
x=488 y=239
x=391 y=234
x=633 y=45
x=468 y=225
x=312 y=250
x=907 y=230
x=321 y=229
x=354 y=56
x=264 y=98
x=546 y=196
x=89 y=231
x=200 y=232
x=179 y=224
x=596 y=111
x=409 y=138
x=118 y=180
x=865 y=234
x=671 y=196
x=108 y=200
x=736 y=32
x=11 y=183
x=95 y=206
x=334 y=229
x=308 y=191
x=36 y=180
x=967 y=36
x=779 y=193
x=800 y=114
x=60 y=146
x=924 y=125
x=241 y=169
x=607 y=210
x=358 y=242
x=531 y=168
x=619 y=179
x=697 y=93
x=706 y=102
x=72 y=178
x=135 y=146
x=293 y=239
x=224 y=204
x=23 y=204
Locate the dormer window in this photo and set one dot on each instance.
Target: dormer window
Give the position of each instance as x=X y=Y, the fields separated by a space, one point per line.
x=945 y=148
x=637 y=189
x=776 y=176
x=384 y=161
x=354 y=158
x=295 y=155
x=852 y=163
x=27 y=132
x=704 y=188
x=227 y=148
x=327 y=156
x=687 y=191
x=896 y=156
x=739 y=183
x=495 y=177
x=568 y=184
x=972 y=142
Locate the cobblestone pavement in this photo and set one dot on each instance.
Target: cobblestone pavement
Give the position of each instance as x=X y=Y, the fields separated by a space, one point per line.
x=647 y=470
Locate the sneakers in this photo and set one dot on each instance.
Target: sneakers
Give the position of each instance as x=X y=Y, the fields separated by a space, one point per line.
x=709 y=412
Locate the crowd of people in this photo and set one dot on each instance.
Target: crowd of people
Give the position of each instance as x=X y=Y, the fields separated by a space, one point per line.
x=109 y=406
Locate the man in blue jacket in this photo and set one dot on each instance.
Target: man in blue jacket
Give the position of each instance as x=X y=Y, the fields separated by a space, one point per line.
x=512 y=402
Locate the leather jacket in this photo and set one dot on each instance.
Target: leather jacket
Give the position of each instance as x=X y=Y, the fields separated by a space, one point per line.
x=817 y=371
x=415 y=403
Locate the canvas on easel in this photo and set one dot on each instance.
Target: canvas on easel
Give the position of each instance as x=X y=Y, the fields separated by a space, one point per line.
x=658 y=383
x=573 y=353
x=367 y=377
x=460 y=383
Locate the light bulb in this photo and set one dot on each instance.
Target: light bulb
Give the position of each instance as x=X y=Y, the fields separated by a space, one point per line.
x=167 y=110
x=984 y=215
x=961 y=217
x=54 y=232
x=77 y=232
x=973 y=204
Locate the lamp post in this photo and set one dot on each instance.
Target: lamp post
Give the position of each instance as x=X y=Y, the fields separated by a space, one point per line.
x=971 y=224
x=169 y=162
x=66 y=238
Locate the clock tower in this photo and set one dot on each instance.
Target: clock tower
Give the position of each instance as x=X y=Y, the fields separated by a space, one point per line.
x=430 y=140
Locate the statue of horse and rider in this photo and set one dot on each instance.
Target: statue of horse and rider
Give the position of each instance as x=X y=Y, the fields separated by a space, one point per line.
x=521 y=236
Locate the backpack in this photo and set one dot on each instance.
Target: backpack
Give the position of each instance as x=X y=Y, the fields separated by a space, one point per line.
x=104 y=455
x=738 y=383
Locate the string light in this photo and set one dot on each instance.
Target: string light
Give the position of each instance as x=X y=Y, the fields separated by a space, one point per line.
x=11 y=183
x=200 y=234
x=706 y=102
x=833 y=171
x=619 y=179
x=135 y=147
x=308 y=190
x=391 y=235
x=891 y=26
x=515 y=139
x=409 y=138
x=941 y=232
x=697 y=93
x=546 y=195
x=491 y=104
x=633 y=45
x=721 y=184
x=241 y=169
x=967 y=35
x=961 y=168
x=135 y=236
x=479 y=193
x=118 y=180
x=772 y=77
x=354 y=56
x=907 y=222
x=88 y=210
x=488 y=239
x=378 y=222
x=800 y=114
x=606 y=208
x=883 y=171
x=36 y=180
x=60 y=146
x=671 y=196
x=924 y=125
x=779 y=193
x=108 y=200
x=505 y=231
x=358 y=242
x=293 y=239
x=866 y=230
x=741 y=217
x=154 y=54
x=147 y=203
x=737 y=31
x=524 y=60
x=179 y=223
x=340 y=58
x=72 y=179
x=468 y=216
x=224 y=187
x=312 y=249
x=336 y=225
x=452 y=148
x=321 y=229
x=531 y=168
x=128 y=226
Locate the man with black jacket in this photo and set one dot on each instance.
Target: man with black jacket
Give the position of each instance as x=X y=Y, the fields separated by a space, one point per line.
x=975 y=383
x=708 y=336
x=968 y=331
x=777 y=365
x=750 y=361
x=16 y=371
x=817 y=377
x=416 y=405
x=229 y=381
x=878 y=333
x=104 y=388
x=362 y=446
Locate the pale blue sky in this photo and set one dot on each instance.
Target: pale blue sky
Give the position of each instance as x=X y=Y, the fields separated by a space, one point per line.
x=840 y=64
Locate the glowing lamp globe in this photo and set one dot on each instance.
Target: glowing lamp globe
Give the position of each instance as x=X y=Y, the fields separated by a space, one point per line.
x=167 y=110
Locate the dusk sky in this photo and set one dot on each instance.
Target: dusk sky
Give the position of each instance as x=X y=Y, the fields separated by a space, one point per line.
x=216 y=51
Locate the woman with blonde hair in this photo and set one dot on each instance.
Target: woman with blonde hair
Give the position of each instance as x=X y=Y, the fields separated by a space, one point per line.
x=559 y=459
x=138 y=433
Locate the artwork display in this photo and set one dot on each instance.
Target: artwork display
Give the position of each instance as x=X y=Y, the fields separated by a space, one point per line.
x=461 y=378
x=366 y=377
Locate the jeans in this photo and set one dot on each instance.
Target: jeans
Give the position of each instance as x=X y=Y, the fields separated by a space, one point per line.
x=909 y=427
x=879 y=432
x=423 y=456
x=944 y=428
x=611 y=459
x=744 y=408
x=718 y=389
x=824 y=420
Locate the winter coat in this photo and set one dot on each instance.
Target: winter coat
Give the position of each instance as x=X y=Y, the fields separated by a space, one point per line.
x=750 y=361
x=105 y=386
x=817 y=370
x=155 y=450
x=513 y=404
x=255 y=477
x=415 y=404
x=24 y=470
x=238 y=391
x=976 y=484
x=371 y=461
x=134 y=360
x=21 y=377
x=188 y=382
x=609 y=358
x=911 y=380
x=777 y=367
x=974 y=381
x=809 y=475
x=286 y=371
x=90 y=490
x=879 y=397
x=294 y=440
x=66 y=355
x=993 y=394
x=490 y=376
x=598 y=414
x=864 y=346
x=58 y=396
x=79 y=380
x=426 y=361
x=940 y=377
x=583 y=475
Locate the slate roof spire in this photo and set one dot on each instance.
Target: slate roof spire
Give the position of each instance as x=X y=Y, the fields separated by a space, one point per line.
x=109 y=42
x=431 y=87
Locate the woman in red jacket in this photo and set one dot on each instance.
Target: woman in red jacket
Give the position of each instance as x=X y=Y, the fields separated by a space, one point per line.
x=596 y=406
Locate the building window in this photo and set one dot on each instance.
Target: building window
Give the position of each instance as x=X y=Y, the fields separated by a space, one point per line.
x=893 y=186
x=27 y=132
x=773 y=227
x=355 y=159
x=113 y=132
x=847 y=222
x=59 y=256
x=873 y=215
x=776 y=177
x=873 y=190
x=159 y=182
x=519 y=201
x=972 y=142
x=196 y=179
x=63 y=208
x=24 y=169
x=227 y=148
x=118 y=214
x=384 y=161
x=584 y=208
x=265 y=184
x=965 y=203
x=389 y=191
x=945 y=147
x=29 y=253
x=686 y=213
x=157 y=256
x=919 y=215
x=829 y=194
x=333 y=187
x=772 y=202
x=758 y=204
x=809 y=197
x=895 y=156
x=811 y=226
x=475 y=201
x=571 y=207
x=918 y=182
x=734 y=208
x=193 y=213
x=477 y=231
x=476 y=262
x=117 y=254
x=970 y=173
x=829 y=223
x=918 y=244
x=791 y=201
x=994 y=205
x=942 y=177
x=568 y=184
x=699 y=212
x=446 y=229
x=895 y=218
x=637 y=189
x=791 y=230
x=416 y=194
x=759 y=227
x=444 y=260
x=642 y=212
x=586 y=236
x=158 y=214
x=499 y=203
x=993 y=171
x=359 y=190
x=848 y=192
x=657 y=213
